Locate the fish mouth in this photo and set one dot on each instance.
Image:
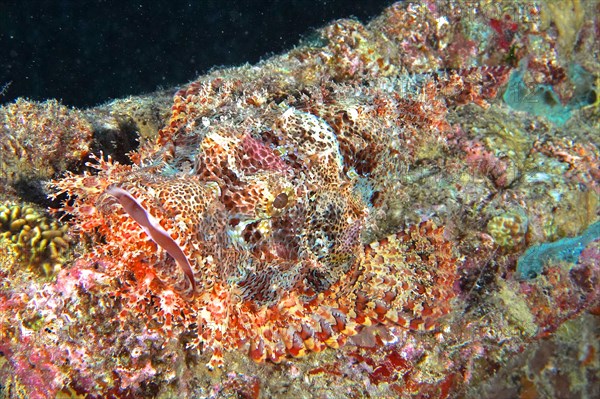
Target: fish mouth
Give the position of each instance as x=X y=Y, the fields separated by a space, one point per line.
x=153 y=229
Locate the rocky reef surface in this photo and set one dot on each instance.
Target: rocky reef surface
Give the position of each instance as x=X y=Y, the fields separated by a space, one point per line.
x=406 y=208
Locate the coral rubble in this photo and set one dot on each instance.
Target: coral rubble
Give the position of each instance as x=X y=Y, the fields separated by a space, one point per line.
x=349 y=219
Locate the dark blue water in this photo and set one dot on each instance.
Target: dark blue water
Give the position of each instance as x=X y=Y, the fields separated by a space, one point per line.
x=87 y=52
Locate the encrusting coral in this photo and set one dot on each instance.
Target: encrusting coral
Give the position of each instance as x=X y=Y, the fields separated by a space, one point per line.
x=39 y=241
x=508 y=230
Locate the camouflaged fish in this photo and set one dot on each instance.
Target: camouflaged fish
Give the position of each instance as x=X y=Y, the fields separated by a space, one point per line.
x=250 y=213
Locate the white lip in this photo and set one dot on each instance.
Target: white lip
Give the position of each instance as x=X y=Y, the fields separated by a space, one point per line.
x=154 y=230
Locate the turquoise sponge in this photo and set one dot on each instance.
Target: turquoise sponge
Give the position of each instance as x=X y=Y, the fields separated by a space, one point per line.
x=532 y=262
x=542 y=100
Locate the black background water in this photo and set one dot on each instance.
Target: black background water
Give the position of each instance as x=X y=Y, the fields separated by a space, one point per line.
x=88 y=52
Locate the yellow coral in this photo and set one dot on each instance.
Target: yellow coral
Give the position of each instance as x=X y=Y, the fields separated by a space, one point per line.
x=508 y=230
x=38 y=240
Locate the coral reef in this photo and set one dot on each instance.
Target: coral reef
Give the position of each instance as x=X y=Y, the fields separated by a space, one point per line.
x=508 y=229
x=40 y=139
x=349 y=219
x=37 y=240
x=562 y=366
x=568 y=17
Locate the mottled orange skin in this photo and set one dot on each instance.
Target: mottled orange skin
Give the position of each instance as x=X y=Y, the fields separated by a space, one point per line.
x=271 y=201
x=285 y=279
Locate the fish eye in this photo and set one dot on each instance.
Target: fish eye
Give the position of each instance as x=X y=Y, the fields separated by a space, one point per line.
x=280 y=201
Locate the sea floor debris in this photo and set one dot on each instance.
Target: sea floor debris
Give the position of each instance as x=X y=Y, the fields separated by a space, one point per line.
x=343 y=220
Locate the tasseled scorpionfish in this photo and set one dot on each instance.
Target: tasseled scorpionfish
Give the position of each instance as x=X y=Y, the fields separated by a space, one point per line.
x=252 y=212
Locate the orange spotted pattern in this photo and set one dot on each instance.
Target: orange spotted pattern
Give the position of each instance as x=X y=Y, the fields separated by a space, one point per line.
x=269 y=203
